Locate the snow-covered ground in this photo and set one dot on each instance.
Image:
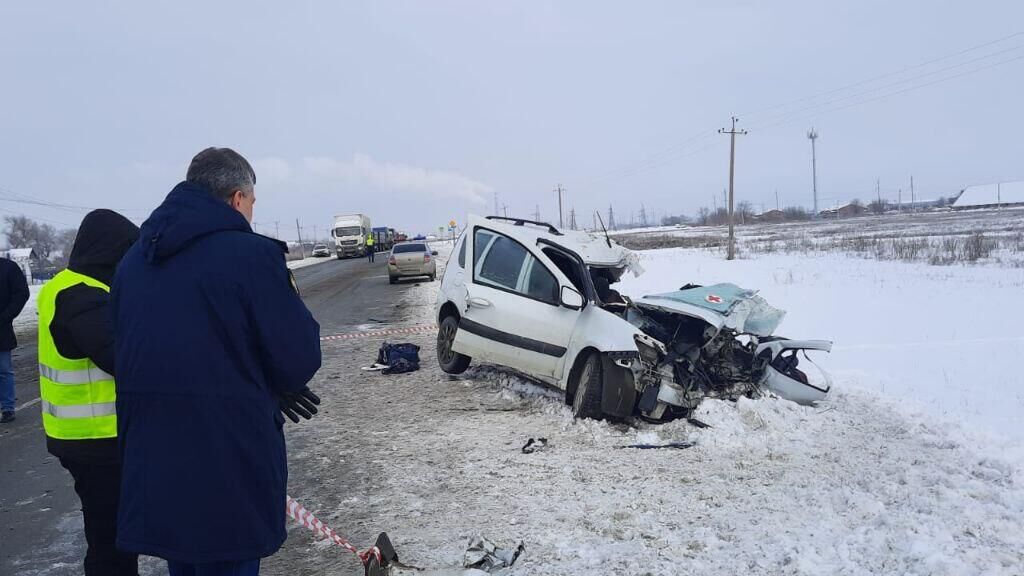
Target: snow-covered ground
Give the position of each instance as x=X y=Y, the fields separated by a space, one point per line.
x=865 y=484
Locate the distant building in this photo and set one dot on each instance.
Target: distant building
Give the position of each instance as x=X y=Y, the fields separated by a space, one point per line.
x=991 y=196
x=25 y=258
x=771 y=216
x=846 y=211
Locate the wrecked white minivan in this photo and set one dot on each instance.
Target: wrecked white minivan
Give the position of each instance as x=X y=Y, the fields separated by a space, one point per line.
x=539 y=300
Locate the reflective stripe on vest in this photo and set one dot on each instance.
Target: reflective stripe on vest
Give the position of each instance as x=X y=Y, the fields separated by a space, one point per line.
x=79 y=411
x=71 y=377
x=78 y=397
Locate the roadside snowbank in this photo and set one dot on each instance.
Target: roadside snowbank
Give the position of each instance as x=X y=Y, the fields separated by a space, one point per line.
x=945 y=340
x=303 y=262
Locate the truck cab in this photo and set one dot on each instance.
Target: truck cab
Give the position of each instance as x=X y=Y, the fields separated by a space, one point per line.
x=349 y=233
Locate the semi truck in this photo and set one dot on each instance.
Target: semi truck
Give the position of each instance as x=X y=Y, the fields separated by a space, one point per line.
x=349 y=233
x=383 y=238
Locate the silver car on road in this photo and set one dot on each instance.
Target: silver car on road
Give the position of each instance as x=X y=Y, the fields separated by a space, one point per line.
x=411 y=259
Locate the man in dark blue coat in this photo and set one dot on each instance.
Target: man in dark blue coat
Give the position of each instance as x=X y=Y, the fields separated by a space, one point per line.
x=212 y=343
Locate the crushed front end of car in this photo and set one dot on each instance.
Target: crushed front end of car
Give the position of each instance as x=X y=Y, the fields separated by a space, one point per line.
x=715 y=342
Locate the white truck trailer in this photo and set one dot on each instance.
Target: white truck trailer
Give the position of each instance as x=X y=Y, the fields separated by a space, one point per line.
x=349 y=233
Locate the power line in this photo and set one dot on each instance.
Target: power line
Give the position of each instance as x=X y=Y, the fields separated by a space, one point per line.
x=886 y=75
x=884 y=96
x=680 y=150
x=828 y=103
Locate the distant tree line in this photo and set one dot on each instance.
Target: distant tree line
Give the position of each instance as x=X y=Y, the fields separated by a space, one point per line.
x=53 y=246
x=744 y=212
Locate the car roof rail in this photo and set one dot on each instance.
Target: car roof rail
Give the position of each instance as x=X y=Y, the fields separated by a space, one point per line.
x=523 y=222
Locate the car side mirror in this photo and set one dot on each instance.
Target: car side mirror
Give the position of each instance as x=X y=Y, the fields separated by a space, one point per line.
x=571 y=299
x=434 y=253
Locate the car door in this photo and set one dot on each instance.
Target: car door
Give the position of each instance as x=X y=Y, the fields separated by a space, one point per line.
x=513 y=315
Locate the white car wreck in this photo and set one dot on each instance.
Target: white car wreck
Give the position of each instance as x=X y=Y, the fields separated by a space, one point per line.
x=536 y=299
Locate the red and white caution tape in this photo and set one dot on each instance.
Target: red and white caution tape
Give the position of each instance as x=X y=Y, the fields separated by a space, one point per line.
x=375 y=333
x=307 y=519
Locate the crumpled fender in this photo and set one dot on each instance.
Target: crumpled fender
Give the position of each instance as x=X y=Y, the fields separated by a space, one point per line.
x=600 y=329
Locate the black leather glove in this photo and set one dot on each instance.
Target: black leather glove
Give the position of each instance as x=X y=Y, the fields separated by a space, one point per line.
x=294 y=404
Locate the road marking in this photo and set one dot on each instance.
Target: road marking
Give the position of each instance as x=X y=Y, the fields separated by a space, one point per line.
x=27 y=404
x=423 y=329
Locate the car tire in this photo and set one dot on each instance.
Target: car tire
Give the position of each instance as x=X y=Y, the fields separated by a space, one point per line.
x=450 y=361
x=392 y=280
x=433 y=277
x=589 y=387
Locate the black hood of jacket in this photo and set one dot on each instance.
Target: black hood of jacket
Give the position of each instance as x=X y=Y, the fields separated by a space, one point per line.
x=103 y=239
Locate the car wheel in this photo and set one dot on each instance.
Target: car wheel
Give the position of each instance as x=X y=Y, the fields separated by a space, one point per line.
x=587 y=401
x=451 y=361
x=392 y=280
x=433 y=277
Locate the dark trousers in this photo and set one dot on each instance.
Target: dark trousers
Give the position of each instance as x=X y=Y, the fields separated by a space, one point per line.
x=99 y=488
x=369 y=253
x=242 y=568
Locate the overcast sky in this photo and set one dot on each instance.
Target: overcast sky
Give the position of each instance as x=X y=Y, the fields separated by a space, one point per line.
x=418 y=112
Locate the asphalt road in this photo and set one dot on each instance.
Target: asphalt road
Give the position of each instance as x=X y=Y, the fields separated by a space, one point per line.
x=40 y=519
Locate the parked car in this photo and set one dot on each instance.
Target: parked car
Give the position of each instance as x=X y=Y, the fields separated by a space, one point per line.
x=539 y=300
x=321 y=251
x=411 y=259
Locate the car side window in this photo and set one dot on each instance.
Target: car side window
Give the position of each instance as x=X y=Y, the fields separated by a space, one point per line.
x=462 y=254
x=504 y=263
x=540 y=283
x=502 y=260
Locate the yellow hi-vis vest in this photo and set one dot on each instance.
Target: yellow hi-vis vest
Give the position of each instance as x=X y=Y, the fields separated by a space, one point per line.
x=77 y=396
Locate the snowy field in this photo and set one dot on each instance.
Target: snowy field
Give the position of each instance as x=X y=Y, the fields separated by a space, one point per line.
x=979 y=237
x=906 y=470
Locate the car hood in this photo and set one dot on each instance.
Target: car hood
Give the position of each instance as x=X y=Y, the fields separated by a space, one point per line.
x=721 y=305
x=599 y=251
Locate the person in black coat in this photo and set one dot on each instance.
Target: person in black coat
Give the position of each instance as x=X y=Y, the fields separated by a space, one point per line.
x=13 y=295
x=212 y=342
x=81 y=328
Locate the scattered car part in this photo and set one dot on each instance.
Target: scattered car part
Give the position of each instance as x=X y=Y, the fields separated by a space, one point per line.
x=532 y=445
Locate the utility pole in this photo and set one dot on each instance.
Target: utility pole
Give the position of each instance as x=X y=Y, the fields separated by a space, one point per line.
x=732 y=169
x=878 y=193
x=277 y=229
x=314 y=234
x=298 y=230
x=813 y=137
x=611 y=218
x=913 y=199
x=496 y=211
x=643 y=215
x=899 y=201
x=504 y=207
x=536 y=212
x=777 y=209
x=714 y=199
x=572 y=218
x=559 y=190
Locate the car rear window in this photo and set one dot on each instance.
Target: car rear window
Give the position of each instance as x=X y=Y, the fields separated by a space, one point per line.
x=403 y=248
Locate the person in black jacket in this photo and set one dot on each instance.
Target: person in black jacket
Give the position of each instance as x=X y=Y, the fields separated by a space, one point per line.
x=13 y=295
x=82 y=328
